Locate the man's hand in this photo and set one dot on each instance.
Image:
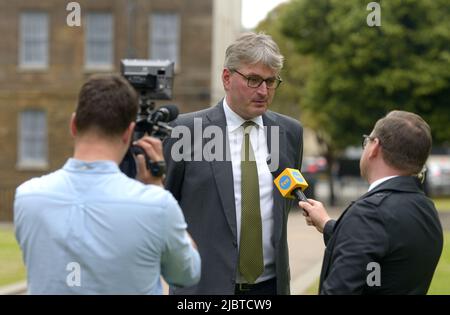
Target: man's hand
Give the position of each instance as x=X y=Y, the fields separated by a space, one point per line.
x=315 y=214
x=153 y=149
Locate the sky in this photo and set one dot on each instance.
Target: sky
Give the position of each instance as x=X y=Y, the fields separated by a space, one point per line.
x=254 y=11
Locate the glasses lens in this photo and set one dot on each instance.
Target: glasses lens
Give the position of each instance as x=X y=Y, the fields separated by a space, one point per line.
x=270 y=83
x=254 y=81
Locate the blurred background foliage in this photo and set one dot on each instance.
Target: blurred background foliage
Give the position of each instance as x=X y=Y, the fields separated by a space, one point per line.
x=341 y=75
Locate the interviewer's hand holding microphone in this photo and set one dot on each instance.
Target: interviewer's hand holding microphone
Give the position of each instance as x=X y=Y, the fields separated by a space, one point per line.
x=291 y=184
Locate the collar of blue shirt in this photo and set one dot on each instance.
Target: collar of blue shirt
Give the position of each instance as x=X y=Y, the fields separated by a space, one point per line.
x=74 y=165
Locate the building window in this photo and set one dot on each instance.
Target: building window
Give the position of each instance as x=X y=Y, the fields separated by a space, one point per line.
x=99 y=41
x=33 y=40
x=32 y=139
x=165 y=37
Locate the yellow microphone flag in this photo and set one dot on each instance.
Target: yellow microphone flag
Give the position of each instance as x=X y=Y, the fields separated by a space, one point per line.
x=289 y=180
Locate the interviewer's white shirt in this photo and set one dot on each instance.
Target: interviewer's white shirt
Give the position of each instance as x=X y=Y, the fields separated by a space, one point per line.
x=380 y=181
x=259 y=145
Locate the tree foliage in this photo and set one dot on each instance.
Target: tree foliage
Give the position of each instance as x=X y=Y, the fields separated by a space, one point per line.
x=358 y=73
x=296 y=66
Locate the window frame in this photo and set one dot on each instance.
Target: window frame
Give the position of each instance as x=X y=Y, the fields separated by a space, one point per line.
x=24 y=47
x=27 y=135
x=95 y=65
x=177 y=35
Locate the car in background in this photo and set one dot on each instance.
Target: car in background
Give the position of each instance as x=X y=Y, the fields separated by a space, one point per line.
x=312 y=167
x=437 y=182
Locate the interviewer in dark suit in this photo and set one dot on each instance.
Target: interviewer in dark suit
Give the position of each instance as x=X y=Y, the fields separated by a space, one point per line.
x=213 y=193
x=389 y=240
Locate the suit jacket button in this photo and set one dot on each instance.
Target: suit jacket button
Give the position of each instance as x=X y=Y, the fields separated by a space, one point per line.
x=234 y=243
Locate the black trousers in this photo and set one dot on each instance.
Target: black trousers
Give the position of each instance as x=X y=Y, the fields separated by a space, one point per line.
x=268 y=287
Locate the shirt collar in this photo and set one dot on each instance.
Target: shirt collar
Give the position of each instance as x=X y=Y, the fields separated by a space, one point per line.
x=74 y=165
x=380 y=181
x=234 y=121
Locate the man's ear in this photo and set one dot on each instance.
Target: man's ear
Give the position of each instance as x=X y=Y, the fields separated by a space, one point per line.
x=73 y=126
x=226 y=79
x=128 y=134
x=375 y=148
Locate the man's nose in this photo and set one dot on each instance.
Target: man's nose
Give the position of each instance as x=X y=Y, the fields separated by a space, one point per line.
x=262 y=89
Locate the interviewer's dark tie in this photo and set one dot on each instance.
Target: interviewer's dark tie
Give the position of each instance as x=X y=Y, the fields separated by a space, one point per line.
x=251 y=261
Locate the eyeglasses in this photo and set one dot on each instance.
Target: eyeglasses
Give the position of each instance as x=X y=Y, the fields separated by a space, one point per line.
x=255 y=81
x=366 y=140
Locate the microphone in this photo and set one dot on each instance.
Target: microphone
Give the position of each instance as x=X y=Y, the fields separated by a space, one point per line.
x=291 y=184
x=165 y=113
x=156 y=125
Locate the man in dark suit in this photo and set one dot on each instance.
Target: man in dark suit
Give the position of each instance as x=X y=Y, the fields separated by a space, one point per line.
x=389 y=240
x=233 y=210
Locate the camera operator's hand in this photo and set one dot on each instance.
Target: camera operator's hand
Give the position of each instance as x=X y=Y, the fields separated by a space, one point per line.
x=153 y=148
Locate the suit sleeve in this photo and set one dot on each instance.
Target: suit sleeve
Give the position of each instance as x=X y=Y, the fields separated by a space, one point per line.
x=328 y=230
x=361 y=239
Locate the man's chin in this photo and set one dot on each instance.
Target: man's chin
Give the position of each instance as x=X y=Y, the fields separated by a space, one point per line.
x=259 y=112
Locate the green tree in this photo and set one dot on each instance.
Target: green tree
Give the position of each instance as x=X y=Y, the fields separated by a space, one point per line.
x=342 y=75
x=295 y=74
x=360 y=72
x=296 y=66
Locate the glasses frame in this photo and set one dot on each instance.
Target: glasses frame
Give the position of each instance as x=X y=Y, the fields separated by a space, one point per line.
x=277 y=82
x=366 y=139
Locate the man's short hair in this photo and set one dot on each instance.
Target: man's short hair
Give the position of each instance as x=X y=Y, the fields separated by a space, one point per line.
x=251 y=48
x=405 y=140
x=106 y=104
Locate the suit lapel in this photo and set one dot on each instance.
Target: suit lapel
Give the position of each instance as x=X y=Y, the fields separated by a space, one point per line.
x=223 y=170
x=274 y=147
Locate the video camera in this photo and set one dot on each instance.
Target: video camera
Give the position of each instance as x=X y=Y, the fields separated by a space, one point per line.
x=152 y=80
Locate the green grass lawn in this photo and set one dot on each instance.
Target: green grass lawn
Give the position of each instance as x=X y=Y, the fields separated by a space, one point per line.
x=313 y=289
x=11 y=266
x=441 y=280
x=442 y=204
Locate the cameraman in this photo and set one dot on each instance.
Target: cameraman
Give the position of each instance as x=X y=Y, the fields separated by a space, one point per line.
x=88 y=228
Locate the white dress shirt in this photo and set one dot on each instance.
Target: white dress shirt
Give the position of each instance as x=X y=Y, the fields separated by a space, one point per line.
x=259 y=145
x=380 y=181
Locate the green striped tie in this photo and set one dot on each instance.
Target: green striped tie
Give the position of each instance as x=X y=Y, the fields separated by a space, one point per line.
x=251 y=262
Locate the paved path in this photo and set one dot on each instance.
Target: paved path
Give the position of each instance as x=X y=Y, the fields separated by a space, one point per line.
x=306 y=250
x=305 y=253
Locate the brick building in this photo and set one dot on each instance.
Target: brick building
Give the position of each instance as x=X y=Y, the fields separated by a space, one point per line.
x=44 y=61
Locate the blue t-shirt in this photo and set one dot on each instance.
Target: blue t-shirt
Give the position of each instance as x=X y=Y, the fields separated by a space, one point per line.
x=89 y=229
